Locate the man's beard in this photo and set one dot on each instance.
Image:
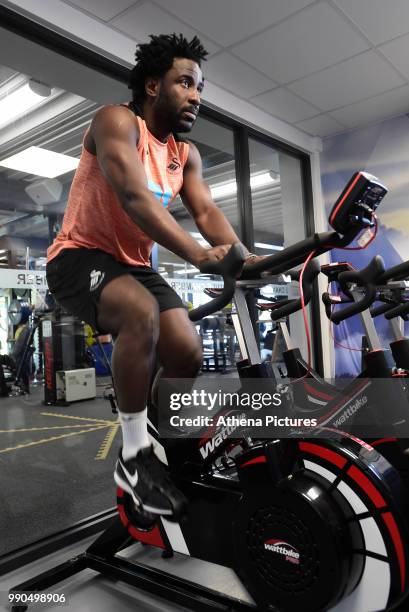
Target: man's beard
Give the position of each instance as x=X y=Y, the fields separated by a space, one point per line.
x=176 y=123
x=171 y=117
x=183 y=128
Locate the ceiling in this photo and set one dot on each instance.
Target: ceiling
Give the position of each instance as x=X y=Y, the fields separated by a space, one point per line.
x=323 y=66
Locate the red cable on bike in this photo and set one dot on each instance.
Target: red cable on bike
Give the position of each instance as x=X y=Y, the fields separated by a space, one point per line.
x=358 y=248
x=348 y=348
x=304 y=311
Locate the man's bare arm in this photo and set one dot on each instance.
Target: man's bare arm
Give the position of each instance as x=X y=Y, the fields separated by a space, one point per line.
x=197 y=198
x=115 y=134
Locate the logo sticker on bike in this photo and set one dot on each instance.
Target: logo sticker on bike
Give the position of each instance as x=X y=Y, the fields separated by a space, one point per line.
x=279 y=547
x=213 y=437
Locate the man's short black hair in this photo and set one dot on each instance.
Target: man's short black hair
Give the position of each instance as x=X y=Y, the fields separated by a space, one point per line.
x=155 y=58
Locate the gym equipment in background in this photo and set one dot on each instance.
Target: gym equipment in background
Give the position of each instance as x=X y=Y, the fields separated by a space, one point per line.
x=64 y=351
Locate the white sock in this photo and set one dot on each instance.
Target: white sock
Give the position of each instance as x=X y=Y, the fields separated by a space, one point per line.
x=134 y=432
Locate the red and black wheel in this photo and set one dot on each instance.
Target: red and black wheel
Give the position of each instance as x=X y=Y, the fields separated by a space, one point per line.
x=332 y=535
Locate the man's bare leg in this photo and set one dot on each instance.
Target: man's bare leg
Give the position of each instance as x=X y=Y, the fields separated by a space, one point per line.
x=179 y=350
x=128 y=310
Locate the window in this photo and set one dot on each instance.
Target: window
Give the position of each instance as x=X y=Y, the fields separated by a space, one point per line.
x=215 y=144
x=278 y=221
x=60 y=449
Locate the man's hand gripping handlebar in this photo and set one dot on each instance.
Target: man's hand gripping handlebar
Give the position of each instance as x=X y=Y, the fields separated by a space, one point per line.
x=229 y=268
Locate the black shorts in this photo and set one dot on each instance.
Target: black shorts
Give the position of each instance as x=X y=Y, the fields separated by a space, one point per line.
x=76 y=278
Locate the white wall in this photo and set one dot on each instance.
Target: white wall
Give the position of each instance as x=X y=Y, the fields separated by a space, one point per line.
x=321 y=225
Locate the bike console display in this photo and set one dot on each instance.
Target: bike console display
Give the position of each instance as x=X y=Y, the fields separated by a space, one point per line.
x=357 y=202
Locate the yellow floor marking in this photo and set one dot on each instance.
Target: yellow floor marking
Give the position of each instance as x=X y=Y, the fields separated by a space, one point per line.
x=94 y=425
x=107 y=442
x=47 y=428
x=75 y=433
x=67 y=416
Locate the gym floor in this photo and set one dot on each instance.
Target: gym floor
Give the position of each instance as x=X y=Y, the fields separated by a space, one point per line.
x=88 y=591
x=56 y=465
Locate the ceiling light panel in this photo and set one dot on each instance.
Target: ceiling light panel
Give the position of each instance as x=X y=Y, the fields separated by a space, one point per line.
x=18 y=102
x=41 y=162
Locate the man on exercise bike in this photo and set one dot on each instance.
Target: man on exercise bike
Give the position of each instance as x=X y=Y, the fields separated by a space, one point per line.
x=131 y=167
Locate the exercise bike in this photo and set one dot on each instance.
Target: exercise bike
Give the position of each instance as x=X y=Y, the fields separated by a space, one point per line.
x=306 y=524
x=315 y=394
x=16 y=369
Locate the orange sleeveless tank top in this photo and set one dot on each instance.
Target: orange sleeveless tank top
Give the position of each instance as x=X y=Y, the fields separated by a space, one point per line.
x=94 y=217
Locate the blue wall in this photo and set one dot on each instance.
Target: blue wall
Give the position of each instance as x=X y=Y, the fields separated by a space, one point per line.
x=382 y=150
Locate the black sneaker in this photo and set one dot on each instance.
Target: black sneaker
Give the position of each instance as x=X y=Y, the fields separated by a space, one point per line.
x=146 y=479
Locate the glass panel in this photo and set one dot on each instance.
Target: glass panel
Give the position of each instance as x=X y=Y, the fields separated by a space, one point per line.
x=278 y=220
x=277 y=198
x=32 y=194
x=57 y=461
x=216 y=147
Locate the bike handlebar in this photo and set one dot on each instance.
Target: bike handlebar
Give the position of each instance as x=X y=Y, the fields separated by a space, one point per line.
x=399 y=272
x=402 y=310
x=396 y=273
x=367 y=278
x=310 y=273
x=296 y=254
x=331 y=300
x=381 y=309
x=229 y=268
